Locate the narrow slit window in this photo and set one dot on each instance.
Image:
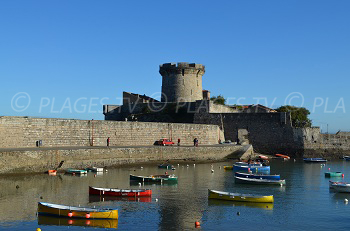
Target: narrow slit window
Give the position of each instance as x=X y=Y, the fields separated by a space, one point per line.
x=183 y=72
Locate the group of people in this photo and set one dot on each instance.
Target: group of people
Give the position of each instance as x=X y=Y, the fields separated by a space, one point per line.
x=195 y=142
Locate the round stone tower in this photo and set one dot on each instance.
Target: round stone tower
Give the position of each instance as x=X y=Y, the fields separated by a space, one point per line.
x=181 y=82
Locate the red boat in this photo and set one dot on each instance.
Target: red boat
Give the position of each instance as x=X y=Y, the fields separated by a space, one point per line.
x=120 y=192
x=282 y=156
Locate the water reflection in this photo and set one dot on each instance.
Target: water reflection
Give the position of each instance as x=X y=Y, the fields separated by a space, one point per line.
x=265 y=206
x=60 y=221
x=97 y=198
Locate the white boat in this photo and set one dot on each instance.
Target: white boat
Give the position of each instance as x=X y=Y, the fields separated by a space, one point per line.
x=340 y=186
x=244 y=180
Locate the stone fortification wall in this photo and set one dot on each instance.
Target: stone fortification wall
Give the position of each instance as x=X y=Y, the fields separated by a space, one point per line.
x=24 y=132
x=181 y=82
x=269 y=133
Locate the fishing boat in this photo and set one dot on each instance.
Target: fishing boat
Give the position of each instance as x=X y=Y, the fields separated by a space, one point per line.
x=333 y=174
x=76 y=171
x=94 y=169
x=258 y=176
x=67 y=221
x=282 y=156
x=340 y=186
x=259 y=181
x=167 y=166
x=214 y=194
x=120 y=192
x=314 y=160
x=251 y=167
x=75 y=212
x=155 y=178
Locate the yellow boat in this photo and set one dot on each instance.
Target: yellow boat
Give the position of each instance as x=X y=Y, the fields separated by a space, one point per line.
x=76 y=212
x=213 y=194
x=228 y=167
x=67 y=221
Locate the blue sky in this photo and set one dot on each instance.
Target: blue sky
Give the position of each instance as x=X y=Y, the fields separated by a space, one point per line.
x=69 y=57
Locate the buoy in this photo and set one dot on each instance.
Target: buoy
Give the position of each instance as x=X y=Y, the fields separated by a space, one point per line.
x=38 y=229
x=70 y=214
x=194 y=165
x=141 y=167
x=17 y=186
x=342 y=175
x=329 y=169
x=41 y=198
x=156 y=199
x=295 y=160
x=188 y=166
x=178 y=164
x=238 y=213
x=87 y=215
x=197 y=224
x=212 y=171
x=346 y=200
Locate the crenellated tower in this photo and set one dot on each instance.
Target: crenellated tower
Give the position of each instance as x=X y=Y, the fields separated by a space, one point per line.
x=181 y=82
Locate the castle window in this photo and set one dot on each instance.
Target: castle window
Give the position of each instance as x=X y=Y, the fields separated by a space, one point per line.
x=183 y=72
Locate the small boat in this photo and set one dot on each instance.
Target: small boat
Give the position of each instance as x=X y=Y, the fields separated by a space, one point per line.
x=282 y=156
x=155 y=178
x=259 y=181
x=314 y=160
x=214 y=194
x=75 y=212
x=251 y=167
x=258 y=176
x=340 y=186
x=347 y=158
x=76 y=171
x=52 y=172
x=333 y=174
x=67 y=221
x=167 y=166
x=263 y=157
x=94 y=169
x=228 y=167
x=102 y=198
x=120 y=192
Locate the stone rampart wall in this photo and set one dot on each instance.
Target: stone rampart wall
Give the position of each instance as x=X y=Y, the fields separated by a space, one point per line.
x=24 y=132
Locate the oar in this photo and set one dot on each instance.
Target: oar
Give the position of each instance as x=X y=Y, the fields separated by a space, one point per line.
x=60 y=165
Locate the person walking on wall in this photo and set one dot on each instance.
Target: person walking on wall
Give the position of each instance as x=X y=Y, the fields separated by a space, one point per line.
x=194 y=141
x=178 y=142
x=197 y=142
x=108 y=140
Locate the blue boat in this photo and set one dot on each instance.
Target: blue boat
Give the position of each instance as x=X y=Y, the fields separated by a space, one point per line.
x=167 y=166
x=314 y=160
x=258 y=176
x=252 y=168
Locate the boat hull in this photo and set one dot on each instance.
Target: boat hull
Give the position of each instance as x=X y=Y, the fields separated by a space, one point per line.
x=333 y=174
x=120 y=192
x=254 y=169
x=154 y=179
x=243 y=180
x=341 y=187
x=76 y=212
x=314 y=160
x=213 y=194
x=76 y=171
x=258 y=176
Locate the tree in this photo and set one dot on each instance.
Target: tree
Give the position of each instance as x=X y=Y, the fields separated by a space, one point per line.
x=299 y=115
x=218 y=99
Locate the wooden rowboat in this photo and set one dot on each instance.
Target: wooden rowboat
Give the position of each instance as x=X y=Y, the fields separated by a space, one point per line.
x=120 y=192
x=214 y=194
x=75 y=212
x=52 y=172
x=67 y=221
x=259 y=181
x=340 y=186
x=333 y=174
x=155 y=178
x=258 y=176
x=252 y=168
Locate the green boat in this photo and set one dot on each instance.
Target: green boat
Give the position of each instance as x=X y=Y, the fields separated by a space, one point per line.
x=76 y=171
x=154 y=178
x=333 y=174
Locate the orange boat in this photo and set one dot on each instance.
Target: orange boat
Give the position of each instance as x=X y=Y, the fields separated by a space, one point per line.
x=263 y=157
x=52 y=172
x=283 y=156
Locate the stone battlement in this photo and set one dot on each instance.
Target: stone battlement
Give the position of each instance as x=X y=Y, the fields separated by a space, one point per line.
x=181 y=65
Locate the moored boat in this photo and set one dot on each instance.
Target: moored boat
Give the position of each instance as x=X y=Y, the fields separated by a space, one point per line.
x=259 y=181
x=282 y=156
x=76 y=212
x=120 y=192
x=258 y=176
x=214 y=194
x=314 y=160
x=227 y=167
x=76 y=171
x=263 y=157
x=68 y=221
x=252 y=168
x=155 y=178
x=333 y=174
x=340 y=186
x=167 y=166
x=94 y=169
x=52 y=172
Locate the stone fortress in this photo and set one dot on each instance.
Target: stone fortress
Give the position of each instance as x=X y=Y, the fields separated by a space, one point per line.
x=183 y=100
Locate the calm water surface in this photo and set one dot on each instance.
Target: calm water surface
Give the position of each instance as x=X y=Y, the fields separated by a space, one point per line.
x=305 y=203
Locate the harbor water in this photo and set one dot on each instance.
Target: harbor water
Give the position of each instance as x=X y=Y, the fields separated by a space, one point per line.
x=305 y=203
